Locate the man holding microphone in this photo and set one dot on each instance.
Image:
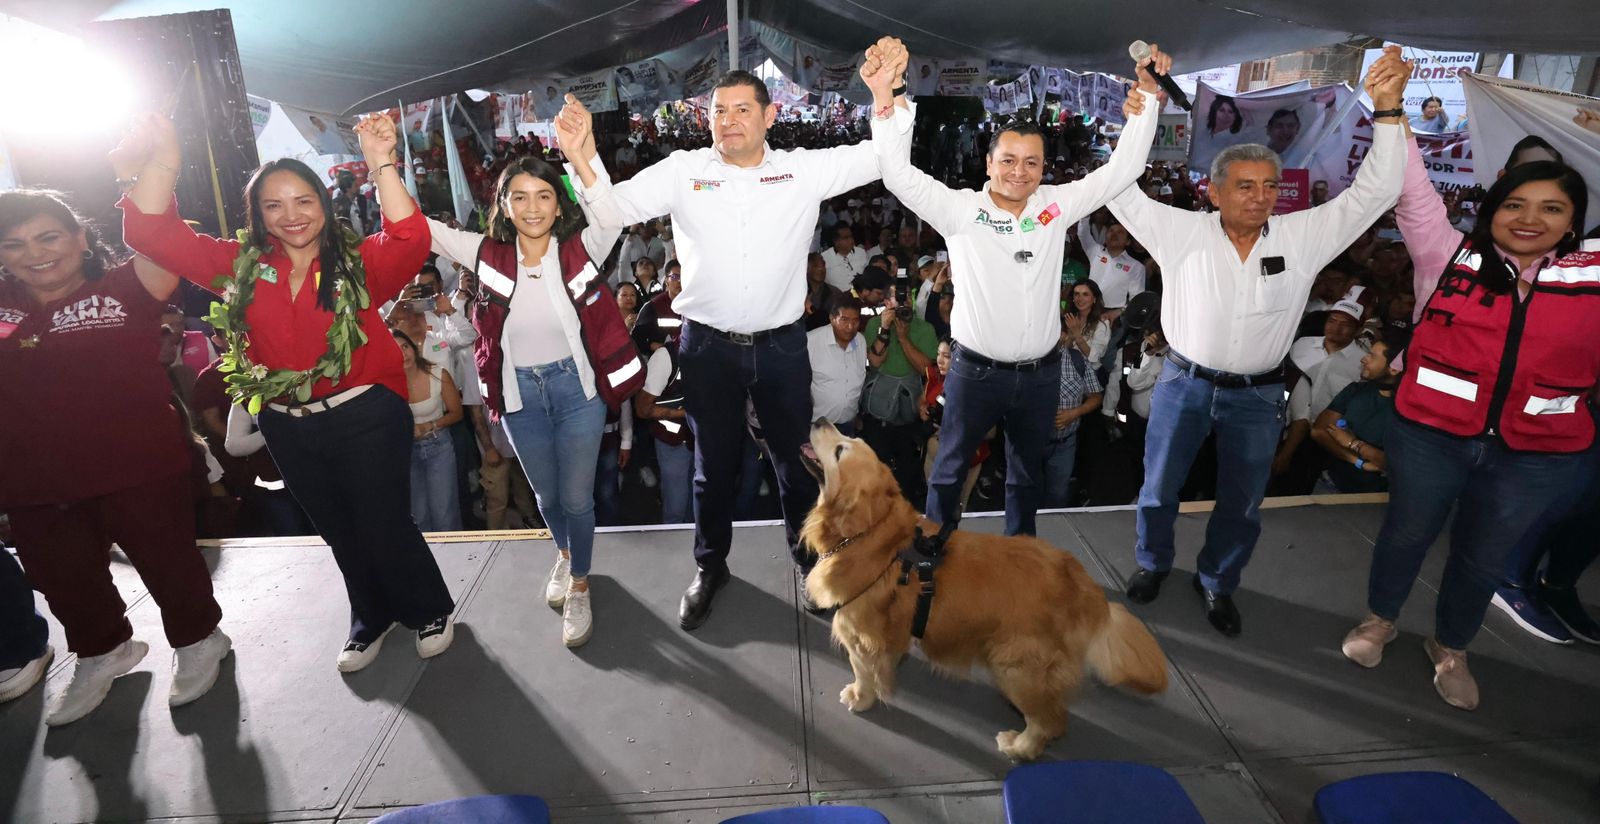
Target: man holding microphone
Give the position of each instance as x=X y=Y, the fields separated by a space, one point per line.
x=1235 y=284
x=1006 y=244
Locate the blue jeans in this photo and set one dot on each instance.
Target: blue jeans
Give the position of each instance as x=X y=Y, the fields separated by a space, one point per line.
x=435 y=504
x=1497 y=494
x=977 y=398
x=1567 y=532
x=677 y=482
x=1059 y=457
x=1184 y=410
x=23 y=631
x=556 y=435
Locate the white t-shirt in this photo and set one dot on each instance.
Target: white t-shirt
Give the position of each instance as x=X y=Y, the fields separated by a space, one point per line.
x=533 y=331
x=659 y=372
x=842 y=269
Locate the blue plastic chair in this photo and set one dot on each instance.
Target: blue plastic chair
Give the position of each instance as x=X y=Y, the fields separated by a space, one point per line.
x=810 y=815
x=1096 y=792
x=1407 y=798
x=482 y=809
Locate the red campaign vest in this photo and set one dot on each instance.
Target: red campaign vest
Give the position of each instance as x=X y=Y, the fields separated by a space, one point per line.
x=668 y=324
x=1520 y=370
x=618 y=370
x=671 y=433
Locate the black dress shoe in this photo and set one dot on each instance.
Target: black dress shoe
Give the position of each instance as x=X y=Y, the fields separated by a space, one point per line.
x=1145 y=585
x=1220 y=611
x=696 y=604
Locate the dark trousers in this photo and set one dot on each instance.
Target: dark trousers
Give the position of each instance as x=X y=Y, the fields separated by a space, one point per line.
x=719 y=375
x=350 y=469
x=1497 y=495
x=23 y=631
x=977 y=398
x=66 y=550
x=899 y=446
x=1569 y=533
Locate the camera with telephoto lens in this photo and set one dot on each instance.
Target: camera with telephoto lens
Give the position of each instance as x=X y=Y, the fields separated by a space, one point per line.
x=902 y=297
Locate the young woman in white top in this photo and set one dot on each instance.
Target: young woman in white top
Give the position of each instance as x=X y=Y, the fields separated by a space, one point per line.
x=1084 y=322
x=435 y=407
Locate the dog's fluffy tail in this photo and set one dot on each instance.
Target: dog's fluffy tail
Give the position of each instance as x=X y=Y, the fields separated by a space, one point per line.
x=1125 y=654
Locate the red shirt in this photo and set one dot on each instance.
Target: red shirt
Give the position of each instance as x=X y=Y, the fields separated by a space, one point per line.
x=85 y=407
x=285 y=332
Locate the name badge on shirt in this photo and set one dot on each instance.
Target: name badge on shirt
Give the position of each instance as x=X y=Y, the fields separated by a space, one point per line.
x=269 y=274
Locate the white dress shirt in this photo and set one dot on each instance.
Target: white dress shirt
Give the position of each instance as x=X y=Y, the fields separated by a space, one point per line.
x=1225 y=313
x=604 y=224
x=1314 y=392
x=1119 y=277
x=842 y=269
x=1006 y=310
x=837 y=374
x=742 y=234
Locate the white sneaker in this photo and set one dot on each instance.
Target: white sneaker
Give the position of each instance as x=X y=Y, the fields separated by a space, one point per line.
x=356 y=656
x=555 y=589
x=14 y=683
x=436 y=636
x=91 y=682
x=577 y=619
x=195 y=667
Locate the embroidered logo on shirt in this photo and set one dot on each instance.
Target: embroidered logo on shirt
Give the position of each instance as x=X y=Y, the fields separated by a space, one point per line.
x=784 y=178
x=705 y=185
x=1050 y=213
x=1003 y=227
x=89 y=313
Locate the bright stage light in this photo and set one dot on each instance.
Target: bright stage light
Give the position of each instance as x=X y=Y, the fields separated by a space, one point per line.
x=52 y=83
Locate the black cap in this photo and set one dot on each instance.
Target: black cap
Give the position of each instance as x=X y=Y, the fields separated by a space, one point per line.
x=872 y=277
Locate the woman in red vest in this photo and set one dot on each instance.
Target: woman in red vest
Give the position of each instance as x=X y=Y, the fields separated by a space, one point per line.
x=1492 y=408
x=310 y=355
x=537 y=287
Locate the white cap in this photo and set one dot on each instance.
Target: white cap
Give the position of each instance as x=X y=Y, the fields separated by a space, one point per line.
x=1349 y=306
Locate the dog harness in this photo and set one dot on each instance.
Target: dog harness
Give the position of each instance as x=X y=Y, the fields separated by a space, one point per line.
x=924 y=555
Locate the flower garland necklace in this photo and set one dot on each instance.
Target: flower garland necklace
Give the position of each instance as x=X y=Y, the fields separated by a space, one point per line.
x=254 y=384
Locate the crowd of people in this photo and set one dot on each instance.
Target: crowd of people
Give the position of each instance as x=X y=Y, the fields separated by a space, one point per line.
x=649 y=337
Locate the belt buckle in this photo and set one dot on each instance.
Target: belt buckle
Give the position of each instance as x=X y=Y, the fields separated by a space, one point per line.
x=742 y=339
x=1030 y=365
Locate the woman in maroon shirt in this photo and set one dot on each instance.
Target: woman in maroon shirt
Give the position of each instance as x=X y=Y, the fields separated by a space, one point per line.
x=317 y=363
x=93 y=451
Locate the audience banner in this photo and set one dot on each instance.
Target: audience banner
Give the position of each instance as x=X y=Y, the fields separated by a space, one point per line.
x=962 y=78
x=924 y=77
x=596 y=90
x=1109 y=93
x=1448 y=155
x=1305 y=117
x=646 y=84
x=327 y=133
x=1294 y=191
x=1433 y=74
x=827 y=71
x=1502 y=112
x=699 y=73
x=1172 y=138
x=260 y=113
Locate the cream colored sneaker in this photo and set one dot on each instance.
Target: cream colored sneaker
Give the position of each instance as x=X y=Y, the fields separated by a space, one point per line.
x=577 y=619
x=555 y=590
x=91 y=682
x=1364 y=645
x=195 y=668
x=1450 y=676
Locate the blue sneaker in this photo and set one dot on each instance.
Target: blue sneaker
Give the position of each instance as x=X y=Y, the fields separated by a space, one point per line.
x=1531 y=614
x=1564 y=604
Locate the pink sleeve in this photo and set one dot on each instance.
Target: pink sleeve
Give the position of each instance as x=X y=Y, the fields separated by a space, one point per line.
x=1420 y=216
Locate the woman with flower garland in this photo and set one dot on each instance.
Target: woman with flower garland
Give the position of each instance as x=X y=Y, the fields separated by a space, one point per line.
x=308 y=352
x=92 y=451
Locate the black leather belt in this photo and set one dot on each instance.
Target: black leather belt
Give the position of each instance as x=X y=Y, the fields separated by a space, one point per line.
x=1228 y=380
x=742 y=338
x=1054 y=357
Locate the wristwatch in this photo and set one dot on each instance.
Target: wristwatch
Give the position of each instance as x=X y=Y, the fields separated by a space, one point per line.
x=1389 y=113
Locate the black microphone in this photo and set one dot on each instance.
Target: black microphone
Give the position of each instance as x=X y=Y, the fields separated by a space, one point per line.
x=1022 y=257
x=1140 y=52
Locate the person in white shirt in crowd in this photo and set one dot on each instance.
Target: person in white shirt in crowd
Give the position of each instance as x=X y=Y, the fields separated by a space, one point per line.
x=1326 y=363
x=1235 y=283
x=642 y=241
x=1079 y=394
x=1086 y=322
x=838 y=365
x=843 y=258
x=660 y=405
x=1118 y=274
x=1006 y=246
x=449 y=344
x=742 y=215
x=1140 y=380
x=435 y=407
x=279 y=511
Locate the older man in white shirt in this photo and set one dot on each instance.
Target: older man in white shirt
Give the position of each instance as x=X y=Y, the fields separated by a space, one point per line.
x=838 y=364
x=1235 y=284
x=742 y=216
x=1006 y=244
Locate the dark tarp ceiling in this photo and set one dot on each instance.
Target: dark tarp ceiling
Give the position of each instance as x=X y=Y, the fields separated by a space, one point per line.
x=347 y=56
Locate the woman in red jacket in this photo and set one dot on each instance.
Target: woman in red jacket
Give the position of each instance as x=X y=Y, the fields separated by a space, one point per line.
x=92 y=451
x=317 y=363
x=1491 y=412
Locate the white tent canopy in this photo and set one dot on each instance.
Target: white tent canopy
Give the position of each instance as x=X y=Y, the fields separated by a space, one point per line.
x=358 y=55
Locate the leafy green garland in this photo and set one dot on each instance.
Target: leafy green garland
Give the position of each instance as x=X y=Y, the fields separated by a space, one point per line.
x=254 y=384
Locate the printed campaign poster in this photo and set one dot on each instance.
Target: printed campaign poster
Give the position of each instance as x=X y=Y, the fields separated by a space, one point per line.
x=1172 y=138
x=328 y=134
x=645 y=84
x=1290 y=122
x=700 y=74
x=1109 y=94
x=260 y=113
x=596 y=90
x=826 y=71
x=923 y=77
x=1433 y=74
x=962 y=78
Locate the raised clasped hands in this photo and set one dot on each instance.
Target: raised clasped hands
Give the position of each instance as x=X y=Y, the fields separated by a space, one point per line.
x=1386 y=79
x=378 y=140
x=575 y=130
x=884 y=64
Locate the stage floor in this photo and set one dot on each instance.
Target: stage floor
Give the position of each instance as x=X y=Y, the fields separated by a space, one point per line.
x=652 y=724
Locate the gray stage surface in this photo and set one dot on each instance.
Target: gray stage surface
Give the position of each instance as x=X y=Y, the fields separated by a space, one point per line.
x=649 y=723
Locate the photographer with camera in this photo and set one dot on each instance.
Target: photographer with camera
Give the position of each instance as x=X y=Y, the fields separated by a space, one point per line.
x=900 y=348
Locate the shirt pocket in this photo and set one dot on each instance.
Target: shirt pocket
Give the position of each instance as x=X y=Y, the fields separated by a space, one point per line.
x=1280 y=292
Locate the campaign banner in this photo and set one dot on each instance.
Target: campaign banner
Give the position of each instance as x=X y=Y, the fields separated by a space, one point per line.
x=1294 y=191
x=700 y=75
x=1433 y=74
x=826 y=71
x=646 y=84
x=596 y=90
x=260 y=113
x=923 y=77
x=1109 y=94
x=1291 y=122
x=328 y=134
x=1502 y=112
x=1001 y=72
x=1224 y=79
x=1172 y=138
x=1448 y=156
x=962 y=78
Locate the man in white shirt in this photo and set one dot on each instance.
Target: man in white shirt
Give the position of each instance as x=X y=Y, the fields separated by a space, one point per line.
x=1119 y=275
x=843 y=258
x=1006 y=244
x=1327 y=363
x=742 y=215
x=838 y=365
x=1235 y=286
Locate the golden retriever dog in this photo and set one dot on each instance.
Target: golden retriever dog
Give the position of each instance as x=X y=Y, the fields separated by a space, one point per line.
x=1028 y=612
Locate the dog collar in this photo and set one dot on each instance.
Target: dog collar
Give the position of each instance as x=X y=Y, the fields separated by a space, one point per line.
x=841 y=545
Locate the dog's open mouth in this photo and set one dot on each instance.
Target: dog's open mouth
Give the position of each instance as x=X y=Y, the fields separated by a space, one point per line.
x=808 y=459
